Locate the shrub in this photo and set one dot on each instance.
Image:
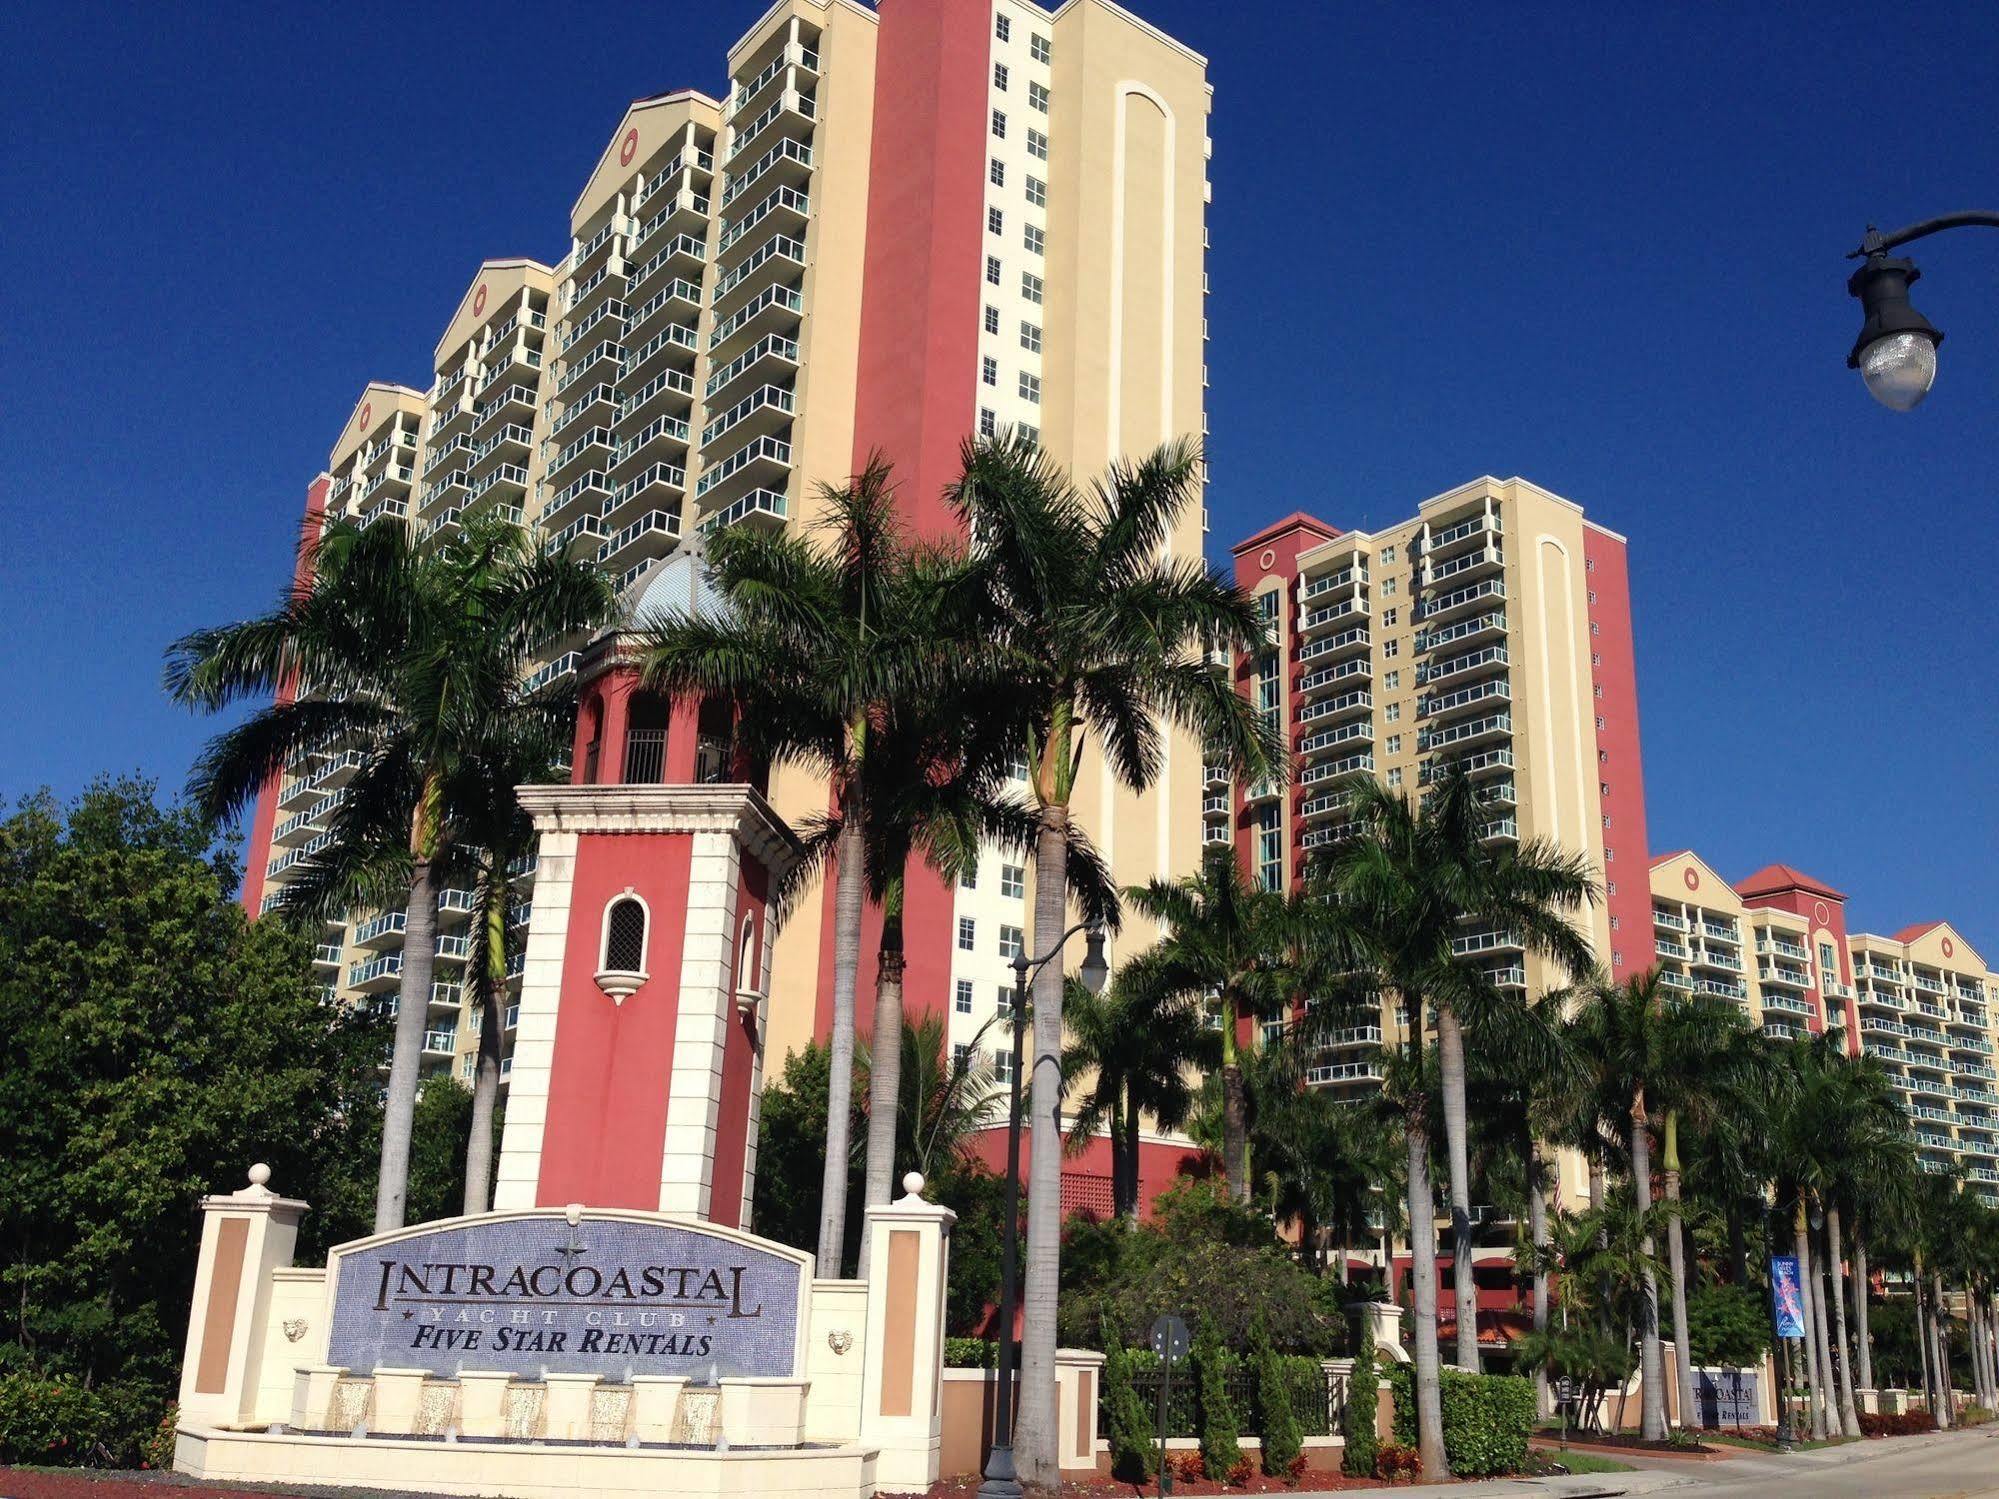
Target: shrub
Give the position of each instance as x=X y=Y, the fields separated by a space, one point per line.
x=1395 y=1462
x=971 y=1353
x=1304 y=1376
x=1487 y=1419
x=156 y=1448
x=1357 y=1421
x=50 y=1422
x=1219 y=1422
x=1278 y=1427
x=1727 y=1326
x=1132 y=1451
x=1907 y=1424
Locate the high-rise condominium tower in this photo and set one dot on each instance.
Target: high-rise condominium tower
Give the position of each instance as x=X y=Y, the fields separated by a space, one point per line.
x=895 y=227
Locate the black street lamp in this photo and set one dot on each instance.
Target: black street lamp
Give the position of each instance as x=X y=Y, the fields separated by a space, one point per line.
x=1896 y=352
x=1001 y=1482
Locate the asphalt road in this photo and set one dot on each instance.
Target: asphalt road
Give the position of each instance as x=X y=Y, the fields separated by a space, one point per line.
x=1952 y=1465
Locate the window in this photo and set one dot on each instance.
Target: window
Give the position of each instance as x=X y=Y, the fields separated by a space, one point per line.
x=968 y=934
x=961 y=1057
x=1035 y=238
x=988 y=423
x=969 y=880
x=470 y=1062
x=1030 y=338
x=1387 y=555
x=1611 y=888
x=1603 y=788
x=1596 y=658
x=1393 y=713
x=1600 y=725
x=1606 y=819
x=995 y=221
x=1593 y=628
x=1394 y=745
x=1037 y=144
x=999 y=124
x=1003 y=28
x=989 y=370
x=1592 y=595
x=1589 y=564
x=1392 y=681
x=1037 y=97
x=1002 y=1065
x=1039 y=48
x=1394 y=777
x=1013 y=880
x=999 y=76
x=1269 y=850
x=1388 y=588
x=1391 y=650
x=624 y=948
x=1390 y=616
x=996 y=171
x=1005 y=1001
x=992 y=270
x=1030 y=387
x=1037 y=192
x=1029 y=433
x=992 y=320
x=1597 y=689
x=1613 y=923
x=961 y=998
x=1010 y=942
x=1031 y=287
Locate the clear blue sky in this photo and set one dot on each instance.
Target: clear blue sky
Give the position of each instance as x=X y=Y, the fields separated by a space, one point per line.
x=1598 y=246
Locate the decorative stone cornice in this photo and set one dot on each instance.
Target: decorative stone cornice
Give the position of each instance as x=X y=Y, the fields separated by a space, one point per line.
x=730 y=807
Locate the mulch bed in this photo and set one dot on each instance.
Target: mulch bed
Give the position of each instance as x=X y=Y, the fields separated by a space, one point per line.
x=1620 y=1445
x=46 y=1483
x=1314 y=1482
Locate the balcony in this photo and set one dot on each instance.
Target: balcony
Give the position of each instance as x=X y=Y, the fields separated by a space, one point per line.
x=1473 y=943
x=1727 y=989
x=1455 y=600
x=1216 y=804
x=592 y=487
x=677 y=339
x=1326 y=770
x=1332 y=1073
x=505 y=485
x=1339 y=610
x=1789 y=949
x=388 y=924
x=775 y=308
x=446 y=996
x=791 y=112
x=758 y=504
x=1796 y=978
x=1344 y=643
x=1790 y=1004
x=584 y=527
x=591 y=442
x=669 y=387
x=660 y=434
x=778 y=257
x=1667 y=948
x=767 y=458
x=1358 y=701
x=787 y=161
x=552 y=671
x=1484 y=524
x=376 y=975
x=440 y=1043
x=1467 y=565
x=784 y=207
x=1216 y=773
x=660 y=523
x=1721 y=931
x=1495 y=689
x=1492 y=622
x=1471 y=731
x=1353 y=575
x=1323 y=805
x=771 y=354
x=1331 y=676
x=1484 y=659
x=767 y=409
x=326 y=955
x=1325 y=739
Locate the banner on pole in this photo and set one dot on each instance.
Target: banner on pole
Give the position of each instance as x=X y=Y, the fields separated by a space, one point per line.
x=1787 y=1293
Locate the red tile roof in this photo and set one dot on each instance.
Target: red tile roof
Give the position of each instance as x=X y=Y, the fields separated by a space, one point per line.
x=1911 y=933
x=1297 y=519
x=1658 y=859
x=1772 y=878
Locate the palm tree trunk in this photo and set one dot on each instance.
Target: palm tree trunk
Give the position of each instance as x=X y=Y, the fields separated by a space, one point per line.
x=849 y=888
x=1940 y=1323
x=1651 y=1363
x=1835 y=1259
x=1423 y=1298
x=884 y=1071
x=486 y=971
x=1451 y=1069
x=1808 y=1293
x=1130 y=1153
x=1599 y=1187
x=1537 y=1230
x=1835 y=1421
x=1235 y=1108
x=1035 y=1432
x=406 y=1060
x=1676 y=1264
x=1738 y=1244
x=1862 y=1338
x=1923 y=1342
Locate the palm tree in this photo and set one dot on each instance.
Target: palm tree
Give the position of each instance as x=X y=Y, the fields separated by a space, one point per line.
x=1422 y=880
x=1232 y=943
x=815 y=645
x=1318 y=1156
x=1139 y=1045
x=1098 y=632
x=417 y=659
x=1408 y=1086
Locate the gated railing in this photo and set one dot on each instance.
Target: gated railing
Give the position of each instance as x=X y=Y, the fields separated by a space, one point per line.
x=1318 y=1400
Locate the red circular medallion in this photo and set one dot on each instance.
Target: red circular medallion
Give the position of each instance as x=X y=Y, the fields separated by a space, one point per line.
x=1693 y=879
x=630 y=148
x=1949 y=948
x=479 y=300
x=367 y=410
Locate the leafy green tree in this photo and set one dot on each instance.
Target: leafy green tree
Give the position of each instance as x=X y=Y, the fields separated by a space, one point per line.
x=418 y=658
x=1097 y=633
x=158 y=1043
x=1728 y=1326
x=1220 y=1421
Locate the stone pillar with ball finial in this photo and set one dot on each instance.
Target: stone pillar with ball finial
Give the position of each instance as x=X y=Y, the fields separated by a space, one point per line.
x=902 y=1410
x=245 y=1235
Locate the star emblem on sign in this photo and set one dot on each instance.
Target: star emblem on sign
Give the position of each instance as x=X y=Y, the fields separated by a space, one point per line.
x=409 y=1316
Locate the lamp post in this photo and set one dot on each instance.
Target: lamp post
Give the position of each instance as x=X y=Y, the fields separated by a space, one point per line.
x=1000 y=1480
x=1896 y=352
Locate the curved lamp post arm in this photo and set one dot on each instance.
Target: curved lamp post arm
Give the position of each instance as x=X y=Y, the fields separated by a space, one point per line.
x=1876 y=242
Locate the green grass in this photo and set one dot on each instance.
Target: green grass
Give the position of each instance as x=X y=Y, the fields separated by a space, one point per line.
x=1726 y=1439
x=1588 y=1462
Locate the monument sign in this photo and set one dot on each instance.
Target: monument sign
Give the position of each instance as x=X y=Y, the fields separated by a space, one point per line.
x=536 y=1293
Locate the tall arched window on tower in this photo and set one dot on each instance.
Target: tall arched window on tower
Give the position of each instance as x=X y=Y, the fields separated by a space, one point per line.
x=621 y=956
x=749 y=989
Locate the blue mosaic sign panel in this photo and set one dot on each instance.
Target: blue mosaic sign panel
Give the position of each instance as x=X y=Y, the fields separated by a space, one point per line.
x=1726 y=1397
x=609 y=1296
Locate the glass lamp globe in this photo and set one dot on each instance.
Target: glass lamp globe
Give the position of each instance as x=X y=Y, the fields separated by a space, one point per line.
x=1899 y=369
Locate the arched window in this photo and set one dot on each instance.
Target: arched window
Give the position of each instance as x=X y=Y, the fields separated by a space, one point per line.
x=621 y=958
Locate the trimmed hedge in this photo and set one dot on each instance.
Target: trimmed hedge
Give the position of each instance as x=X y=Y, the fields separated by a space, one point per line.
x=1306 y=1376
x=1487 y=1419
x=971 y=1353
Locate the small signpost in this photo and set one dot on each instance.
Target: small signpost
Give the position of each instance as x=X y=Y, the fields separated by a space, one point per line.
x=1169 y=1342
x=1567 y=1398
